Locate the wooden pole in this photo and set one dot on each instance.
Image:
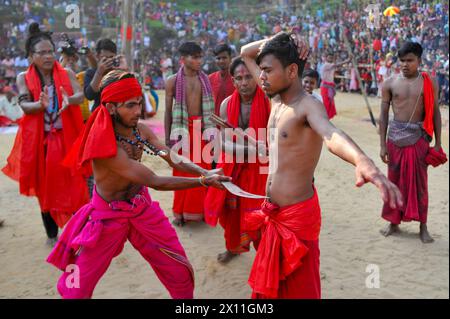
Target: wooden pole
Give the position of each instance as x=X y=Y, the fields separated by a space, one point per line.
x=127 y=30
x=355 y=65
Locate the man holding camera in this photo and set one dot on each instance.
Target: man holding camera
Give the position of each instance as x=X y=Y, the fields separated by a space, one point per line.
x=107 y=60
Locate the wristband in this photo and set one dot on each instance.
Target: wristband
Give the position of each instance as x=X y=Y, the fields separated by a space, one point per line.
x=202 y=180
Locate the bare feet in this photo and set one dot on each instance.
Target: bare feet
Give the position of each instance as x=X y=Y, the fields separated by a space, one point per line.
x=389 y=230
x=179 y=222
x=225 y=257
x=52 y=241
x=424 y=235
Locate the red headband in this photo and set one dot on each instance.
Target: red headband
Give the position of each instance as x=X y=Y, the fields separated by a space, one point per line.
x=121 y=91
x=97 y=140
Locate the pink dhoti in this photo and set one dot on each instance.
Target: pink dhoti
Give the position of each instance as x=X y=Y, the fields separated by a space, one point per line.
x=97 y=233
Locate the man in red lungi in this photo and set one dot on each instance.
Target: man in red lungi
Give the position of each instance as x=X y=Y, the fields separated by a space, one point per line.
x=287 y=258
x=406 y=149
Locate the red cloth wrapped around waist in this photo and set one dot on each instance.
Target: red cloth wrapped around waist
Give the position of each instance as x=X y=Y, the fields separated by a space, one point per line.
x=281 y=250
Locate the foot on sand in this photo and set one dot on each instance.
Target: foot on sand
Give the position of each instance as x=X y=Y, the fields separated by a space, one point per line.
x=389 y=230
x=424 y=235
x=52 y=241
x=178 y=222
x=225 y=257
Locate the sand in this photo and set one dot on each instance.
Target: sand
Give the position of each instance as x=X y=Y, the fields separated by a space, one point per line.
x=350 y=240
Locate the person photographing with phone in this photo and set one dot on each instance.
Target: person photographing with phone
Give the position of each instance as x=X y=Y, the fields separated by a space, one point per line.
x=107 y=60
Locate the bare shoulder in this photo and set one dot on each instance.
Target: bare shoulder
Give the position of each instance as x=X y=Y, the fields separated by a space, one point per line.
x=309 y=102
x=309 y=106
x=21 y=77
x=171 y=79
x=224 y=106
x=145 y=131
x=390 y=80
x=21 y=85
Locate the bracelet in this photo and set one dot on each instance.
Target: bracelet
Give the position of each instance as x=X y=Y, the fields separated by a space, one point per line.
x=201 y=179
x=23 y=97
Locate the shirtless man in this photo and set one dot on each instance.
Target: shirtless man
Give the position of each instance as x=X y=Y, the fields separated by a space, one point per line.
x=327 y=86
x=121 y=207
x=290 y=219
x=406 y=146
x=189 y=101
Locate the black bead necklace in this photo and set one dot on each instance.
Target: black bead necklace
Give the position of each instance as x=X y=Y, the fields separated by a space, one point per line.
x=141 y=144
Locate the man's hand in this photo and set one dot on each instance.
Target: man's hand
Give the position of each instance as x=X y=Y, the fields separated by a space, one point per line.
x=65 y=100
x=217 y=171
x=216 y=180
x=384 y=154
x=367 y=172
x=302 y=46
x=437 y=147
x=104 y=65
x=43 y=98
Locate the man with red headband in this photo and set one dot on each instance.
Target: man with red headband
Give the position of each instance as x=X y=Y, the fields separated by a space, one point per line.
x=121 y=207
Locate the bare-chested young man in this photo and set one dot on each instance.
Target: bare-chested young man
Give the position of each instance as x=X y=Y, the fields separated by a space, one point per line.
x=287 y=260
x=121 y=207
x=413 y=96
x=189 y=105
x=327 y=86
x=247 y=108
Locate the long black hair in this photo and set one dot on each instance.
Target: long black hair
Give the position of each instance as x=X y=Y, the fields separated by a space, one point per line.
x=36 y=35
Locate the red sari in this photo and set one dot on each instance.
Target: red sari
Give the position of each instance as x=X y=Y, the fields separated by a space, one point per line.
x=35 y=160
x=228 y=208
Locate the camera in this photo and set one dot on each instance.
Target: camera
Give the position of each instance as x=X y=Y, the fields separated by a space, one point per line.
x=83 y=50
x=116 y=61
x=67 y=45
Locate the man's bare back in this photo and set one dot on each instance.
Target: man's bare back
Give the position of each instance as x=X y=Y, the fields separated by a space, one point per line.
x=299 y=148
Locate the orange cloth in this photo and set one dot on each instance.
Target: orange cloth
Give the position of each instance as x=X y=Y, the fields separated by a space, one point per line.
x=281 y=250
x=29 y=163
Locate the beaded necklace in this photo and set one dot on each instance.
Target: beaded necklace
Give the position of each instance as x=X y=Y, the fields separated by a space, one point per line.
x=141 y=144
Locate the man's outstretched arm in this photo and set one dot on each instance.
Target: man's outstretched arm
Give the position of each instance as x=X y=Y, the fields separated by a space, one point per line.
x=139 y=174
x=173 y=159
x=340 y=144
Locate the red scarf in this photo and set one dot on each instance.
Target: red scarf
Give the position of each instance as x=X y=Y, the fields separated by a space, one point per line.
x=280 y=250
x=26 y=163
x=428 y=102
x=97 y=140
x=259 y=116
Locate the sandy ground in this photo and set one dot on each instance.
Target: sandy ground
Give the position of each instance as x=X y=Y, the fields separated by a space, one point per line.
x=350 y=239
